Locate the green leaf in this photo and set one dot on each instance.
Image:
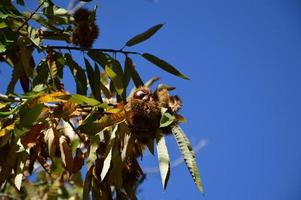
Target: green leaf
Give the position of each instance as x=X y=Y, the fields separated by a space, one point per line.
x=188 y=155
x=117 y=81
x=78 y=74
x=163 y=157
x=167 y=119
x=29 y=115
x=97 y=82
x=92 y=80
x=33 y=35
x=99 y=57
x=42 y=73
x=164 y=65
x=87 y=184
x=135 y=76
x=13 y=81
x=143 y=36
x=80 y=99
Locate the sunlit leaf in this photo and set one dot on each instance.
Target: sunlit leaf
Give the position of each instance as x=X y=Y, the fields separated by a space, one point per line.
x=51 y=139
x=188 y=155
x=166 y=119
x=80 y=99
x=163 y=157
x=143 y=36
x=115 y=79
x=163 y=65
x=66 y=153
x=106 y=165
x=4 y=131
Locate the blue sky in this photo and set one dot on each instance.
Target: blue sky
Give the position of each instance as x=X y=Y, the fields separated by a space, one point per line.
x=243 y=58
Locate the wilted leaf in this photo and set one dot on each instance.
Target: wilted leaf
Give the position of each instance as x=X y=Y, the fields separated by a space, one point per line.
x=66 y=153
x=163 y=157
x=29 y=139
x=78 y=160
x=51 y=139
x=163 y=65
x=180 y=118
x=143 y=36
x=188 y=155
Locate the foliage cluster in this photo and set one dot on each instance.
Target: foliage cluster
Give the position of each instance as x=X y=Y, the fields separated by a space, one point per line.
x=51 y=139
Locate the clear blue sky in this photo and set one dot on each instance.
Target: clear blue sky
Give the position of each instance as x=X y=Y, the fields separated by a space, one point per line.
x=244 y=97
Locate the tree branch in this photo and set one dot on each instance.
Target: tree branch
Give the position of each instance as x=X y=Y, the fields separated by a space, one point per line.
x=103 y=50
x=30 y=16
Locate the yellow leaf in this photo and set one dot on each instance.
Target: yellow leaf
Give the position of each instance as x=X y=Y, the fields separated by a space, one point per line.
x=53 y=97
x=7 y=130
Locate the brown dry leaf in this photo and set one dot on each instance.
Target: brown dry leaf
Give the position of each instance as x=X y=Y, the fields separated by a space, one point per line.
x=66 y=153
x=30 y=138
x=78 y=160
x=43 y=162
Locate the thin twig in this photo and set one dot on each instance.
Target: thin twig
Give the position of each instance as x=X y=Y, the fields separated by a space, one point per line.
x=77 y=49
x=103 y=50
x=74 y=129
x=31 y=15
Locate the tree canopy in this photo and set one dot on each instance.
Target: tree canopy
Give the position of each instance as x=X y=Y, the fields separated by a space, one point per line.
x=54 y=144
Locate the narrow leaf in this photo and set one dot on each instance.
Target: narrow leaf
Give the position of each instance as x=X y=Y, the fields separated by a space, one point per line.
x=135 y=76
x=143 y=36
x=80 y=99
x=87 y=184
x=163 y=157
x=106 y=165
x=91 y=77
x=78 y=74
x=117 y=81
x=164 y=65
x=188 y=155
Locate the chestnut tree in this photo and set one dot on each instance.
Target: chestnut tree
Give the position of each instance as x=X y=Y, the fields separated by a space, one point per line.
x=55 y=144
